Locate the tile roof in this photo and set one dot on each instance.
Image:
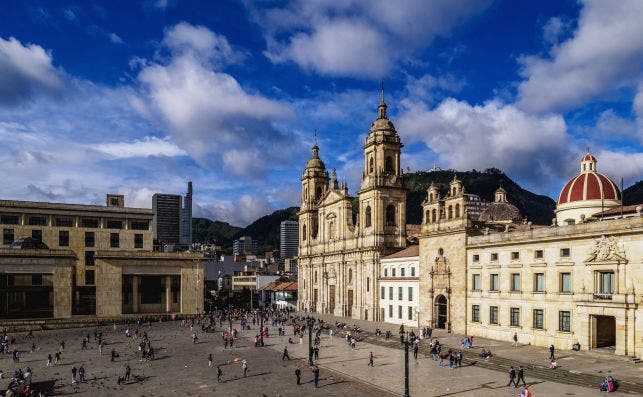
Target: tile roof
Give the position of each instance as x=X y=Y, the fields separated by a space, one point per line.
x=410 y=251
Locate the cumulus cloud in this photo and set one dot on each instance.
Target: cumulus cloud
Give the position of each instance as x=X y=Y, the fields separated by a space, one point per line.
x=604 y=55
x=148 y=146
x=619 y=164
x=26 y=70
x=357 y=37
x=493 y=134
x=240 y=212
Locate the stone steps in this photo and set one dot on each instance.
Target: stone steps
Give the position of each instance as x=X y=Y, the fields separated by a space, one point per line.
x=502 y=364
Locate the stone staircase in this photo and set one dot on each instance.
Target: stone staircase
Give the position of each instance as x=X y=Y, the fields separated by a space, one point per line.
x=497 y=363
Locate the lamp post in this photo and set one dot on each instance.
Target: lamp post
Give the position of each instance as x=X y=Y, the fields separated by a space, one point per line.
x=310 y=322
x=406 y=365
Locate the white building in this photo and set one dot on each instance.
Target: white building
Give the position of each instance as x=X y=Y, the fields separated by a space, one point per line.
x=399 y=286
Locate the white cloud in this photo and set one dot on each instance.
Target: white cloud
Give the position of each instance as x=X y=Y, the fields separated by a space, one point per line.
x=200 y=41
x=148 y=146
x=240 y=212
x=357 y=37
x=604 y=55
x=618 y=164
x=25 y=70
x=554 y=29
x=114 y=38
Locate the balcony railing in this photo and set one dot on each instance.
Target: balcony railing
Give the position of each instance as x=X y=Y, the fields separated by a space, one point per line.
x=603 y=297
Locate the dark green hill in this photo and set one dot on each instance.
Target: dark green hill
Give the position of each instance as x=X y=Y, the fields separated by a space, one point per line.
x=633 y=194
x=266 y=228
x=207 y=231
x=537 y=208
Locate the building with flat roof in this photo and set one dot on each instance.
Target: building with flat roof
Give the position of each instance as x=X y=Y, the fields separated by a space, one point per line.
x=288 y=239
x=245 y=246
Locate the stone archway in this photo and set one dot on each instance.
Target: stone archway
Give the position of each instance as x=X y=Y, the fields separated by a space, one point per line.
x=440 y=311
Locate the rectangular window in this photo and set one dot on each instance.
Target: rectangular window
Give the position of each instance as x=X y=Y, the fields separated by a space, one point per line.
x=89 y=222
x=410 y=293
x=10 y=219
x=368 y=279
x=89 y=239
x=538 y=254
x=515 y=282
x=494 y=257
x=493 y=315
x=385 y=272
x=494 y=283
x=539 y=319
x=89 y=277
x=37 y=221
x=382 y=293
x=390 y=293
x=476 y=258
x=140 y=225
x=390 y=311
x=63 y=238
x=114 y=224
x=475 y=282
x=515 y=256
x=564 y=321
x=412 y=272
x=475 y=313
x=410 y=313
x=514 y=317
x=606 y=282
x=393 y=272
x=399 y=312
x=36 y=279
x=64 y=222
x=402 y=270
x=138 y=243
x=564 y=252
x=399 y=293
x=37 y=234
x=89 y=258
x=565 y=283
x=7 y=236
x=539 y=282
x=114 y=241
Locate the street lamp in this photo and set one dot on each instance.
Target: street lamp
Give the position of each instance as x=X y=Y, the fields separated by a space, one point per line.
x=310 y=322
x=406 y=343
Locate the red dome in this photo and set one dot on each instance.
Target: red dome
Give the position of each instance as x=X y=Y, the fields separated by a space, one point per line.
x=589 y=186
x=589 y=157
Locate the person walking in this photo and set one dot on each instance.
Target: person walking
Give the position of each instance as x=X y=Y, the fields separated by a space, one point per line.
x=315 y=376
x=512 y=376
x=370 y=359
x=298 y=375
x=49 y=359
x=128 y=372
x=73 y=375
x=81 y=374
x=244 y=365
x=521 y=376
x=415 y=350
x=285 y=355
x=515 y=338
x=210 y=360
x=551 y=352
x=458 y=358
x=219 y=374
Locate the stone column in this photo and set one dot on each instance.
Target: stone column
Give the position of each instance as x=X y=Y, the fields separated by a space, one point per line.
x=134 y=294
x=168 y=294
x=62 y=291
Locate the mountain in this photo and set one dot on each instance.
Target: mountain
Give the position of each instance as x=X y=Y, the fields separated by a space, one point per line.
x=537 y=208
x=266 y=228
x=207 y=231
x=633 y=194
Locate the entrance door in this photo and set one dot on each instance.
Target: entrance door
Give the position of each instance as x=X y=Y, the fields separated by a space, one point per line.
x=605 y=331
x=441 y=311
x=331 y=304
x=315 y=300
x=349 y=309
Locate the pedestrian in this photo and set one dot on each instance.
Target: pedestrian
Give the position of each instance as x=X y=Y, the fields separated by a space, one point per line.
x=551 y=352
x=49 y=364
x=521 y=376
x=210 y=360
x=298 y=375
x=113 y=355
x=62 y=346
x=81 y=373
x=512 y=376
x=73 y=375
x=128 y=371
x=219 y=374
x=370 y=359
x=285 y=355
x=458 y=358
x=244 y=365
x=525 y=392
x=58 y=359
x=316 y=375
x=415 y=351
x=515 y=339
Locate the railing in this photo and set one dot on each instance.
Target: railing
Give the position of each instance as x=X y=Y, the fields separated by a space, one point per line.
x=604 y=297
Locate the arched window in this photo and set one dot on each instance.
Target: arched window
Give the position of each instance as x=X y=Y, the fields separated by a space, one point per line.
x=368 y=284
x=390 y=215
x=453 y=191
x=318 y=192
x=450 y=213
x=440 y=251
x=370 y=165
x=427 y=216
x=314 y=227
x=431 y=197
x=367 y=217
x=315 y=276
x=434 y=215
x=331 y=230
x=350 y=276
x=457 y=210
x=388 y=164
x=305 y=193
x=303 y=233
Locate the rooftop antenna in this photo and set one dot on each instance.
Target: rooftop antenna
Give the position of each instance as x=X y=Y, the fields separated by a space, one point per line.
x=315 y=136
x=382 y=90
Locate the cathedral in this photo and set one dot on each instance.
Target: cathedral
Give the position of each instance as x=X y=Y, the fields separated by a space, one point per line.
x=339 y=251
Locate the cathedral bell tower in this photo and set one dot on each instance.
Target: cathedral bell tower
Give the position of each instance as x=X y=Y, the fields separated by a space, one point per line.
x=382 y=196
x=314 y=183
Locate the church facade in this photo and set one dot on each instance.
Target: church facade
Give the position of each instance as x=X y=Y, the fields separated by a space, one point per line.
x=339 y=251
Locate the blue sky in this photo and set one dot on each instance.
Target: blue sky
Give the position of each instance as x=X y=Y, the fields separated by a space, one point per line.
x=139 y=97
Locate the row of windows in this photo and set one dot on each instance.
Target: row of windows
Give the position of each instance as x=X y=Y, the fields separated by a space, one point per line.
x=400 y=293
x=409 y=312
x=538 y=317
x=389 y=216
x=515 y=255
x=63 y=221
x=402 y=272
x=434 y=215
x=8 y=237
x=564 y=282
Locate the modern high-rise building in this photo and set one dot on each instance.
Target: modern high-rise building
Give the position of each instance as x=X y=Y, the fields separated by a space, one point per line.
x=289 y=239
x=245 y=246
x=186 y=218
x=167 y=215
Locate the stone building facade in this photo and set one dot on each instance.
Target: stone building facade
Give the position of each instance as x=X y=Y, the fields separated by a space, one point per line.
x=339 y=252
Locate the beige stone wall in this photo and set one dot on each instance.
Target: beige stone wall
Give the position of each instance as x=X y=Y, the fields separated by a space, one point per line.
x=192 y=282
x=62 y=289
x=109 y=288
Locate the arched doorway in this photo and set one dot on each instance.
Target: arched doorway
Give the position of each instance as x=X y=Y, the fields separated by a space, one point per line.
x=441 y=312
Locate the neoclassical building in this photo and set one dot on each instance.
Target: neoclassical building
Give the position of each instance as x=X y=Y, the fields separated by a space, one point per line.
x=339 y=251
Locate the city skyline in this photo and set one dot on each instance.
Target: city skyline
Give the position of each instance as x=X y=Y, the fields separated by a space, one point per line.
x=139 y=99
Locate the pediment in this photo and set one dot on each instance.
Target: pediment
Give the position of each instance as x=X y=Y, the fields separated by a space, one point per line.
x=332 y=196
x=606 y=250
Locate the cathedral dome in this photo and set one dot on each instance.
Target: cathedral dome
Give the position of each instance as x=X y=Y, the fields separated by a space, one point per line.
x=315 y=161
x=586 y=194
x=501 y=210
